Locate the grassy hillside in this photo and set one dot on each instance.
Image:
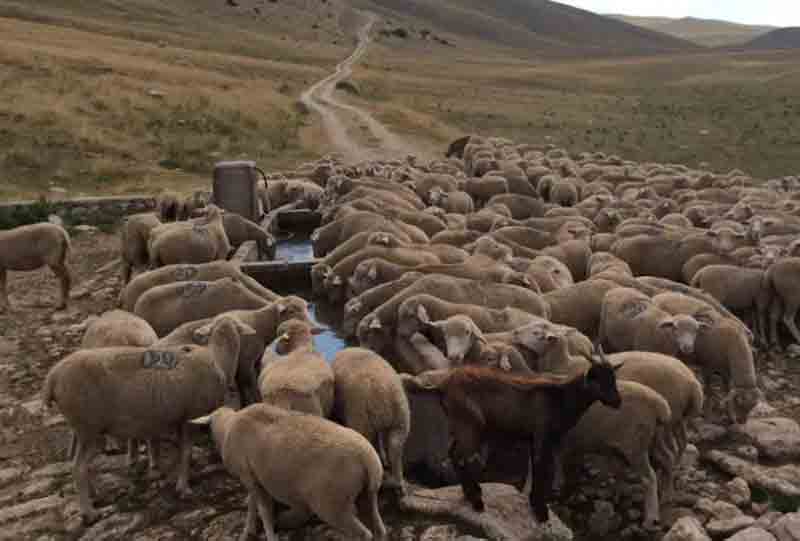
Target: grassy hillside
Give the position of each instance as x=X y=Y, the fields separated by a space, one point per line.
x=729 y=110
x=782 y=38
x=707 y=32
x=540 y=27
x=142 y=95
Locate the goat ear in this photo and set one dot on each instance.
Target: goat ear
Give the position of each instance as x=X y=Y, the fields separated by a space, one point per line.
x=201 y=421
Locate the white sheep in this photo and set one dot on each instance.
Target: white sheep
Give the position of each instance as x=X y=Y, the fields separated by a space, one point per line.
x=29 y=247
x=198 y=241
x=134 y=239
x=308 y=463
x=370 y=399
x=141 y=393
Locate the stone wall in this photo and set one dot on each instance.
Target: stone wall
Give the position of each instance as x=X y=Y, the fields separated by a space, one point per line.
x=86 y=210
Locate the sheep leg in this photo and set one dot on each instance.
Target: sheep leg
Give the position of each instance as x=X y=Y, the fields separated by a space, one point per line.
x=378 y=527
x=397 y=440
x=343 y=516
x=544 y=472
x=133 y=452
x=62 y=272
x=789 y=314
x=251 y=522
x=152 y=458
x=125 y=270
x=775 y=310
x=4 y=305
x=266 y=509
x=762 y=307
x=87 y=448
x=652 y=514
x=185 y=458
x=466 y=456
x=296 y=517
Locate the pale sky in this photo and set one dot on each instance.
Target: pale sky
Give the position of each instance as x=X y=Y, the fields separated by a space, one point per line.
x=771 y=12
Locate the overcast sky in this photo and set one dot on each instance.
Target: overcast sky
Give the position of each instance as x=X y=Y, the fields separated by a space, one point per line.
x=773 y=12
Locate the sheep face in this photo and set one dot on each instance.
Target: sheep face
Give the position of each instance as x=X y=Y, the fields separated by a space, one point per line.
x=383 y=239
x=725 y=240
x=460 y=335
x=412 y=317
x=291 y=308
x=336 y=288
x=365 y=276
x=373 y=334
x=684 y=330
x=319 y=273
x=491 y=248
x=537 y=338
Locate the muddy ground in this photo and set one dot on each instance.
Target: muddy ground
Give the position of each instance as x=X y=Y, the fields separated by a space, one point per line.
x=37 y=500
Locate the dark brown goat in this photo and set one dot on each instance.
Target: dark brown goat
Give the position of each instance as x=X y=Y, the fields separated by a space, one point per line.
x=483 y=403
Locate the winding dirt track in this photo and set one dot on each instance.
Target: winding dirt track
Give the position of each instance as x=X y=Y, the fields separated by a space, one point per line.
x=336 y=115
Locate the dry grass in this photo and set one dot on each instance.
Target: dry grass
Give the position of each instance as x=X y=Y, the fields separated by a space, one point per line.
x=731 y=110
x=91 y=106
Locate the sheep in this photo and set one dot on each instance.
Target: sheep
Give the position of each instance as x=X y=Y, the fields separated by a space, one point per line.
x=487 y=246
x=431 y=182
x=239 y=230
x=141 y=393
x=549 y=273
x=418 y=311
x=335 y=281
x=601 y=262
x=265 y=321
x=630 y=321
x=204 y=272
x=372 y=272
x=134 y=239
x=489 y=218
x=630 y=431
x=781 y=281
x=674 y=381
x=456 y=238
x=480 y=401
x=455 y=201
x=574 y=254
x=564 y=193
x=723 y=349
x=738 y=289
x=168 y=206
x=530 y=238
x=483 y=189
x=521 y=206
x=117 y=328
x=662 y=256
x=445 y=252
x=29 y=247
x=700 y=261
x=329 y=236
x=579 y=305
x=301 y=380
x=308 y=463
x=168 y=306
x=189 y=242
x=375 y=328
x=358 y=307
x=370 y=399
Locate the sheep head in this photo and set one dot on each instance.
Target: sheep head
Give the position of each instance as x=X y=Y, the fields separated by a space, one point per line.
x=683 y=330
x=373 y=334
x=461 y=334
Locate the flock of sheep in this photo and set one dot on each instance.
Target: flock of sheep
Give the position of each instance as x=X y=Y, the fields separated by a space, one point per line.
x=488 y=278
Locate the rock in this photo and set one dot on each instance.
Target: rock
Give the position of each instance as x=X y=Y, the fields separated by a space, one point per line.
x=747 y=452
x=724 y=528
x=784 y=480
x=787 y=528
x=777 y=438
x=507 y=514
x=445 y=532
x=737 y=492
x=686 y=529
x=690 y=457
x=9 y=475
x=762 y=410
x=114 y=527
x=709 y=432
x=723 y=510
x=752 y=534
x=29 y=508
x=768 y=519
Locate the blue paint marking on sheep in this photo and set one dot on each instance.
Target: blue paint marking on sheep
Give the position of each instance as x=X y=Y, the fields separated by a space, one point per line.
x=160 y=360
x=184 y=273
x=194 y=289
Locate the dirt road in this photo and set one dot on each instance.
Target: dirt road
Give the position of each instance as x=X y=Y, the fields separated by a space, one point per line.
x=338 y=116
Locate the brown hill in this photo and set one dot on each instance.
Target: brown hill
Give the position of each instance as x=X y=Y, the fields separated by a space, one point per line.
x=782 y=38
x=539 y=26
x=707 y=32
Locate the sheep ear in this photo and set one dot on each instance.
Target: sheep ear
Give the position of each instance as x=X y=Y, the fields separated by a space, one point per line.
x=201 y=334
x=337 y=280
x=372 y=273
x=281 y=308
x=205 y=420
x=505 y=364
x=375 y=323
x=666 y=323
x=422 y=314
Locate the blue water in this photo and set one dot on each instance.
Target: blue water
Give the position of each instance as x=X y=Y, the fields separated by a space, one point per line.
x=325 y=316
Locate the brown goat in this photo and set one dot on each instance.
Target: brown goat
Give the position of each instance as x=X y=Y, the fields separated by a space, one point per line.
x=483 y=403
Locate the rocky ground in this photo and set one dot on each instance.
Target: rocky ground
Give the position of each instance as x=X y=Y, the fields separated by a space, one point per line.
x=742 y=481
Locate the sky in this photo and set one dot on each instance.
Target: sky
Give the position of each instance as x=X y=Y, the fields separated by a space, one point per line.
x=770 y=12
